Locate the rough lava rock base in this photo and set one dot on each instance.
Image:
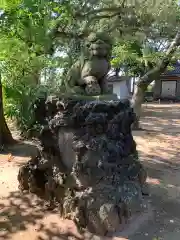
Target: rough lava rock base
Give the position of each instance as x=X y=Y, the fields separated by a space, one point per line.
x=87 y=163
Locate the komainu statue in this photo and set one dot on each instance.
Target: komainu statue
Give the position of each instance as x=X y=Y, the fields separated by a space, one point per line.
x=88 y=76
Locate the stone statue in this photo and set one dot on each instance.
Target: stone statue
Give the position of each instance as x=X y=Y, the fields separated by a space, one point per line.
x=87 y=163
x=88 y=75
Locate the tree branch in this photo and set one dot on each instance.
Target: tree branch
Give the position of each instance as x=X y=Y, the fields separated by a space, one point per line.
x=115 y=11
x=97 y=11
x=107 y=12
x=102 y=10
x=99 y=17
x=162 y=65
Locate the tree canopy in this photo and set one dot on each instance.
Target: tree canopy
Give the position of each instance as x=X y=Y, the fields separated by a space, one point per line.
x=40 y=38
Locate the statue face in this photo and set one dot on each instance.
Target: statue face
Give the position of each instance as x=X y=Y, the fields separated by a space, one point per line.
x=99 y=44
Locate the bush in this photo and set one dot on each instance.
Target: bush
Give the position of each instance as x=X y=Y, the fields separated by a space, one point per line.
x=19 y=104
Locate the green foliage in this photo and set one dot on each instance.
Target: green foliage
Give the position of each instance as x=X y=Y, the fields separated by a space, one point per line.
x=20 y=101
x=138 y=57
x=9 y=4
x=140 y=47
x=33 y=33
x=135 y=56
x=26 y=48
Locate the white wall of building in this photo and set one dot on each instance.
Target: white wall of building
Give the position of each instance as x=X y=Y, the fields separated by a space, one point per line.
x=120 y=88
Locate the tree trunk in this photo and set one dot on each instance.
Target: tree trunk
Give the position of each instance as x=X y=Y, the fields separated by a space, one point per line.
x=153 y=74
x=137 y=100
x=5 y=134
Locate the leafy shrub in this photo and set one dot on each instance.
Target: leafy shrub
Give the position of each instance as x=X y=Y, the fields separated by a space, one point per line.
x=19 y=103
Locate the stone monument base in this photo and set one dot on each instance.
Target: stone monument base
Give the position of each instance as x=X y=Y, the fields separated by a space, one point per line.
x=88 y=163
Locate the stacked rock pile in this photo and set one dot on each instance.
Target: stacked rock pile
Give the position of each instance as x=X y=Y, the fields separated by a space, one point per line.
x=88 y=163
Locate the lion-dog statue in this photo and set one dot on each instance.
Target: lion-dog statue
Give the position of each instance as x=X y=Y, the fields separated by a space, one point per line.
x=88 y=76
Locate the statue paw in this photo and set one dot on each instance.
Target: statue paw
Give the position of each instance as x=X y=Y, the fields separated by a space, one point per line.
x=77 y=90
x=93 y=89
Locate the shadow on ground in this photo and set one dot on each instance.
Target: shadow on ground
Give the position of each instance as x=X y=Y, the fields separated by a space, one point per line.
x=164 y=198
x=159 y=150
x=20 y=213
x=25 y=217
x=19 y=153
x=22 y=149
x=161 y=117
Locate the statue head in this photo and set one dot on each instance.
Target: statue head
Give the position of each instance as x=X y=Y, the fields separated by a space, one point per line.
x=99 y=44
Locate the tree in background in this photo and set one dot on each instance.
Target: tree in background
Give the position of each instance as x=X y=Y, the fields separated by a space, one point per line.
x=5 y=134
x=153 y=74
x=28 y=32
x=141 y=59
x=150 y=49
x=34 y=33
